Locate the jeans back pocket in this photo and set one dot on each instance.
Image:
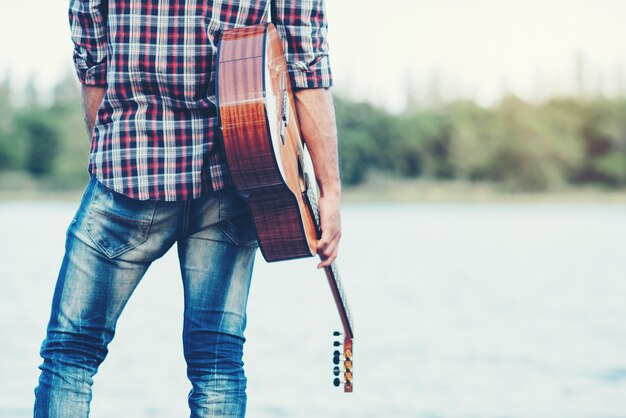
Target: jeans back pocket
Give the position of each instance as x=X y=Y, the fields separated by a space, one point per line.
x=118 y=223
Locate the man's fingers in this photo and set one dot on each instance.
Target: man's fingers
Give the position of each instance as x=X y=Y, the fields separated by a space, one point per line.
x=328 y=260
x=327 y=239
x=327 y=248
x=328 y=244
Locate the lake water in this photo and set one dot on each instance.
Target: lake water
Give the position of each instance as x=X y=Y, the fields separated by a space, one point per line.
x=461 y=310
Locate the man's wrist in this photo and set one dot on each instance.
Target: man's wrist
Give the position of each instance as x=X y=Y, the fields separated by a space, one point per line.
x=331 y=191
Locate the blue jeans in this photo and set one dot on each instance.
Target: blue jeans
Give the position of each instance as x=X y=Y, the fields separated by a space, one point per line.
x=110 y=244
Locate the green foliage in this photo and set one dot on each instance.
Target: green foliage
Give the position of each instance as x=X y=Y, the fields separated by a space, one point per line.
x=534 y=147
x=47 y=142
x=422 y=145
x=70 y=168
x=8 y=154
x=39 y=141
x=474 y=141
x=364 y=130
x=604 y=131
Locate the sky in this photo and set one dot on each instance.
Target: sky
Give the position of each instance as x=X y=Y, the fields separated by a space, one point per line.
x=384 y=51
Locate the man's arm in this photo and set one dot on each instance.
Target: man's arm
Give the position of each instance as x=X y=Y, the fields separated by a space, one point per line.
x=316 y=114
x=92 y=98
x=88 y=32
x=302 y=28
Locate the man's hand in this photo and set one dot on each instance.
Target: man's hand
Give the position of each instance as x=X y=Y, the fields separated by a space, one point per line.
x=328 y=245
x=316 y=114
x=92 y=98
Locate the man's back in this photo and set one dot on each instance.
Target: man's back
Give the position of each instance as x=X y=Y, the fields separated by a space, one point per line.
x=156 y=128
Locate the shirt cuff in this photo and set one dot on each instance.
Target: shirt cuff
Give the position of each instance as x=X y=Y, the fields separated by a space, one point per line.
x=90 y=74
x=311 y=75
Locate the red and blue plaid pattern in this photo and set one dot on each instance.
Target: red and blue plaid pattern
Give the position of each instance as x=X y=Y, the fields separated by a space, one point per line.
x=157 y=134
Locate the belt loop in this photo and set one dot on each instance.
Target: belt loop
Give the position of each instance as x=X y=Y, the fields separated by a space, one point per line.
x=186 y=210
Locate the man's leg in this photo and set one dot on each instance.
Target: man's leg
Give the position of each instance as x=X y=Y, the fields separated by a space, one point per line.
x=216 y=259
x=110 y=244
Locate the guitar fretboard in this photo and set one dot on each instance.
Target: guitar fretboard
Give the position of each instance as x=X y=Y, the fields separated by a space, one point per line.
x=332 y=271
x=342 y=303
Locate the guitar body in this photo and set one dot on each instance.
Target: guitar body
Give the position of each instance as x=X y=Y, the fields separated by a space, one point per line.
x=262 y=140
x=268 y=162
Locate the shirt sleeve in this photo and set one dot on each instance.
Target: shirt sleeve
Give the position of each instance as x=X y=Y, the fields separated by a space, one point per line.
x=89 y=34
x=303 y=30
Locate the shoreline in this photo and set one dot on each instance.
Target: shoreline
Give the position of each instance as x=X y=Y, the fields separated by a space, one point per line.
x=420 y=191
x=400 y=191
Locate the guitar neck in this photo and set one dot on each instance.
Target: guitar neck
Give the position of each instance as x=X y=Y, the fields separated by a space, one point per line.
x=332 y=274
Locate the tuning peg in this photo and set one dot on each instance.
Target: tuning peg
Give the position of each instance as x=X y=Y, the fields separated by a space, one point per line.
x=337 y=370
x=336 y=334
x=343 y=372
x=337 y=344
x=348 y=382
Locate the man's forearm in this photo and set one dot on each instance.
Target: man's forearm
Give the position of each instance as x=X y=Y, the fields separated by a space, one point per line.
x=316 y=115
x=92 y=98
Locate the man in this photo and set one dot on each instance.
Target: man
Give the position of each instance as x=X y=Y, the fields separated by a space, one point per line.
x=158 y=178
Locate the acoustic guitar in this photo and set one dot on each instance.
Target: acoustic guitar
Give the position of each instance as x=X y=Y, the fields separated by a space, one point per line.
x=268 y=161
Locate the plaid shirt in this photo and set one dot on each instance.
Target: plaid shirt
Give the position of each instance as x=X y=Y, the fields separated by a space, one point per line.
x=157 y=131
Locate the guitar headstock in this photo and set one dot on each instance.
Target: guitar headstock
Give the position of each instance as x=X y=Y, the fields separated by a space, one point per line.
x=343 y=363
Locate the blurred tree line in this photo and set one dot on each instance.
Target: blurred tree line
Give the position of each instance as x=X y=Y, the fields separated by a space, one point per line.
x=518 y=145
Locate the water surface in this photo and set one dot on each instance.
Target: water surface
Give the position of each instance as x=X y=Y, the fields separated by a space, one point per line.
x=490 y=310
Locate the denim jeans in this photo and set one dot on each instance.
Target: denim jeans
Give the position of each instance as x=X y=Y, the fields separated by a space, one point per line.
x=110 y=244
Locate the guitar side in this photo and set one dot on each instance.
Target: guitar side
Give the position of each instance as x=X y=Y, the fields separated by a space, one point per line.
x=264 y=168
